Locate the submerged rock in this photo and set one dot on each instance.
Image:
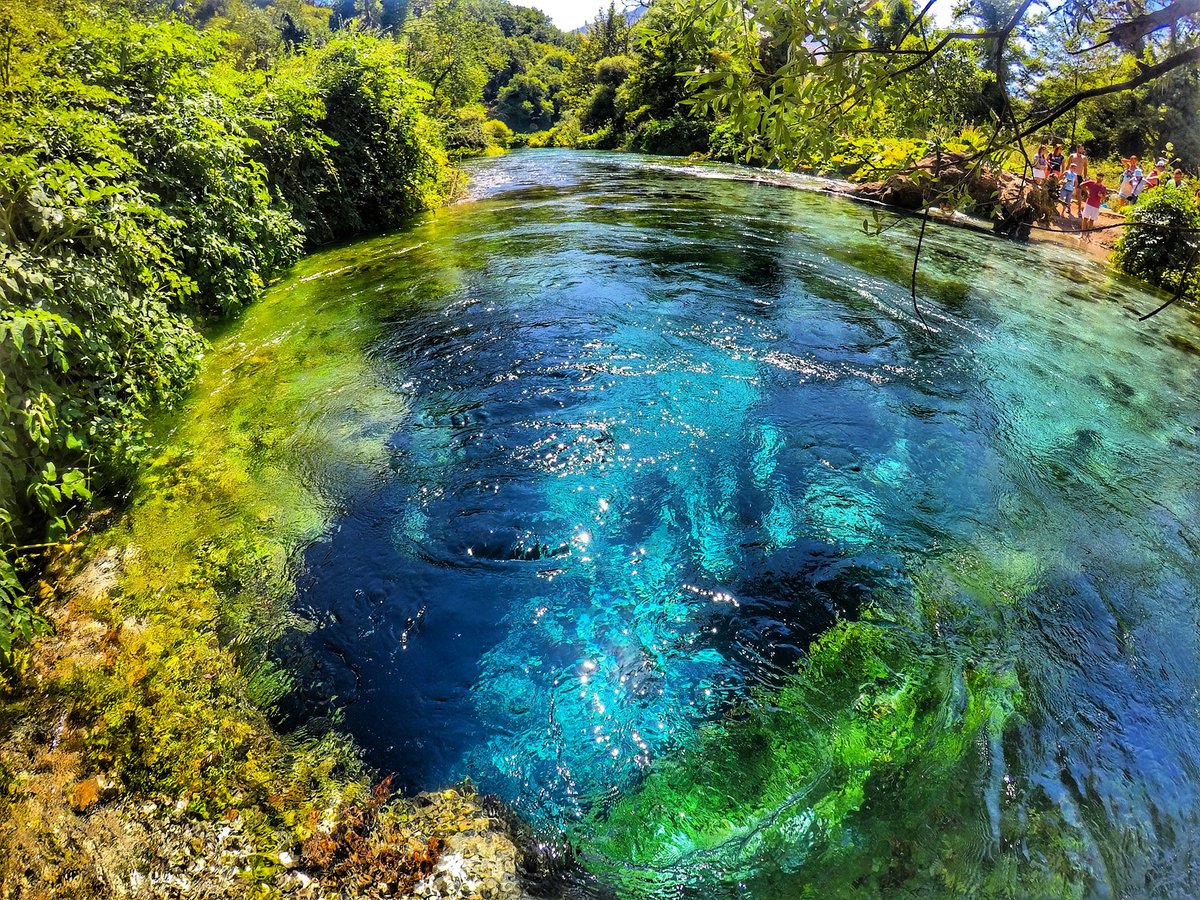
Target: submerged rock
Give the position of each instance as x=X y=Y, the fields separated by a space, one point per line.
x=474 y=865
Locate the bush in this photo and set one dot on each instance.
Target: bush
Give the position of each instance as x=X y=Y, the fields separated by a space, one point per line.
x=566 y=134
x=466 y=135
x=183 y=119
x=607 y=138
x=673 y=137
x=384 y=162
x=499 y=134
x=1156 y=246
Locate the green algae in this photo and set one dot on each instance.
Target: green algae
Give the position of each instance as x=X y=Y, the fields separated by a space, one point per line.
x=286 y=396
x=904 y=708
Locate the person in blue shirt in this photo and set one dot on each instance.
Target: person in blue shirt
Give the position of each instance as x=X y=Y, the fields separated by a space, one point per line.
x=1070 y=180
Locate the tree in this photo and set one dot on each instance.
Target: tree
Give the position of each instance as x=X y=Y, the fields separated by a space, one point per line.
x=526 y=103
x=606 y=37
x=655 y=88
x=601 y=108
x=450 y=51
x=993 y=18
x=787 y=74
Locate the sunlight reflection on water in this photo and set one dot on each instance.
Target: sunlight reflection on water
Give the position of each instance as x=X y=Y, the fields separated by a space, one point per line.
x=665 y=430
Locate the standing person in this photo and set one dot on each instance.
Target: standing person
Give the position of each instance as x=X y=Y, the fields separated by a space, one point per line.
x=1129 y=179
x=1039 y=164
x=1056 y=160
x=1094 y=191
x=1079 y=160
x=1144 y=182
x=1155 y=177
x=1177 y=178
x=1069 y=180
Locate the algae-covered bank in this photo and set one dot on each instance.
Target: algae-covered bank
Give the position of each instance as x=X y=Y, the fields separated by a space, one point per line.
x=143 y=758
x=636 y=495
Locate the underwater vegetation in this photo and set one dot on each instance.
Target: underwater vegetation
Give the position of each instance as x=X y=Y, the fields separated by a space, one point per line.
x=886 y=709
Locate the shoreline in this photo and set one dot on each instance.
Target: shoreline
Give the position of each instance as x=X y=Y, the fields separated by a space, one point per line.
x=1066 y=234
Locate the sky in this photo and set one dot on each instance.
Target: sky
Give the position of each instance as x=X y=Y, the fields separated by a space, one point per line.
x=570 y=14
x=567 y=14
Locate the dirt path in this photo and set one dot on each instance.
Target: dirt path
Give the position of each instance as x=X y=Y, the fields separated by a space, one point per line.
x=1065 y=231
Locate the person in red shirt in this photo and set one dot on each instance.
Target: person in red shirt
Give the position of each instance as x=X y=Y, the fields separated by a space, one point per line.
x=1093 y=192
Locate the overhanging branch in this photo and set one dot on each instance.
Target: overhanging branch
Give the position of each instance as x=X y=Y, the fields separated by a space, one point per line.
x=1147 y=74
x=1128 y=34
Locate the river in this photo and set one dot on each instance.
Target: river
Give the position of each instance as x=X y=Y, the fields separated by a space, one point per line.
x=646 y=502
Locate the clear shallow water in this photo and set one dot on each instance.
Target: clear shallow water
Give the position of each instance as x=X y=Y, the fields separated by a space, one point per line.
x=653 y=434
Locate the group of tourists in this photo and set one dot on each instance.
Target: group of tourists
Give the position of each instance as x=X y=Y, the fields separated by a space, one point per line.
x=1071 y=175
x=1134 y=181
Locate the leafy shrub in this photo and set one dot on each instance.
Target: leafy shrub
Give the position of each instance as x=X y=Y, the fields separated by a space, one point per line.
x=499 y=134
x=673 y=137
x=607 y=138
x=1157 y=245
x=466 y=136
x=566 y=134
x=90 y=327
x=183 y=121
x=385 y=164
x=19 y=620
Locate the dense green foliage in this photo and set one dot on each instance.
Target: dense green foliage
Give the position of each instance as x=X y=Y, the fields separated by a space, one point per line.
x=809 y=84
x=1162 y=243
x=150 y=181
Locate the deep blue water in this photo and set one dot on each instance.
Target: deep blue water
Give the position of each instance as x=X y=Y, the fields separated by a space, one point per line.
x=656 y=429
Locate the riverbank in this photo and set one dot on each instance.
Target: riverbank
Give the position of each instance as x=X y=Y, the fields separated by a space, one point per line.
x=1001 y=203
x=308 y=822
x=140 y=755
x=1064 y=231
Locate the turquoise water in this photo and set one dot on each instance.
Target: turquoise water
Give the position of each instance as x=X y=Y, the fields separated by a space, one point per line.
x=659 y=428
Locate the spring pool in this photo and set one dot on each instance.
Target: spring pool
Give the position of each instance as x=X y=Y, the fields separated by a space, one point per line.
x=686 y=538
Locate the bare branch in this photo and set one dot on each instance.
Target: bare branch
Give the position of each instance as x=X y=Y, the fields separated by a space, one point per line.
x=1127 y=34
